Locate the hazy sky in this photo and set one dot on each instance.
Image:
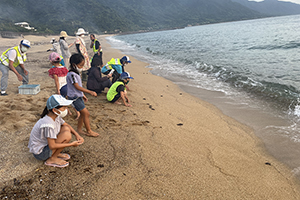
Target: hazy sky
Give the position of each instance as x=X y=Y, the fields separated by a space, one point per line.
x=294 y=1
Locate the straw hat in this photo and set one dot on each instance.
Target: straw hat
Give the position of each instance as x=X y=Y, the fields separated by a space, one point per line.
x=81 y=31
x=63 y=34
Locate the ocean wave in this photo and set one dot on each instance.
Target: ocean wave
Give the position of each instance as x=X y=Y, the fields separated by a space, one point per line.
x=289 y=45
x=283 y=96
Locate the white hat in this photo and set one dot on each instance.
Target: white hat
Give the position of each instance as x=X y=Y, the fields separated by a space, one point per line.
x=81 y=31
x=25 y=43
x=52 y=40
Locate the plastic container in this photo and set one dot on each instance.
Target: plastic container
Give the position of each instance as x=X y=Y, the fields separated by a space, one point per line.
x=29 y=89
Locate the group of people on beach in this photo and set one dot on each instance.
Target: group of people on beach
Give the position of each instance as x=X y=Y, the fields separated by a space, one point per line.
x=51 y=134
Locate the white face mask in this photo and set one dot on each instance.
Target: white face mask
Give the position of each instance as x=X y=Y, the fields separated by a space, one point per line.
x=24 y=49
x=78 y=69
x=62 y=114
x=82 y=36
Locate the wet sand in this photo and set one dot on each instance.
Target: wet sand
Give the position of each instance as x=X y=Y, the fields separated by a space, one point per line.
x=169 y=145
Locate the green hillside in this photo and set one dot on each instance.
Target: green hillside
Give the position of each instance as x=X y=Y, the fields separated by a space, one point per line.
x=118 y=15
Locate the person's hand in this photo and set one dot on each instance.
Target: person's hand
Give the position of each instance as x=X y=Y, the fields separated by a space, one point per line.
x=109 y=75
x=85 y=98
x=80 y=139
x=25 y=72
x=94 y=94
x=98 y=53
x=20 y=78
x=128 y=105
x=76 y=143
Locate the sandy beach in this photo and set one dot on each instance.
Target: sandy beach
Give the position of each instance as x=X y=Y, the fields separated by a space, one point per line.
x=168 y=145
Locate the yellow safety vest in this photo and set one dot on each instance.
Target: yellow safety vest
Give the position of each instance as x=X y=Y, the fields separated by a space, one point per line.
x=94 y=47
x=19 y=59
x=112 y=92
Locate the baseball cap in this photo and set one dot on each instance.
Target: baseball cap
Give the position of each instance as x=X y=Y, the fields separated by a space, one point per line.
x=126 y=59
x=57 y=100
x=25 y=43
x=54 y=57
x=125 y=75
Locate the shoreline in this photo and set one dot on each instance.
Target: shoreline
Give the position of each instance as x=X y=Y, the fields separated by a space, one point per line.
x=169 y=145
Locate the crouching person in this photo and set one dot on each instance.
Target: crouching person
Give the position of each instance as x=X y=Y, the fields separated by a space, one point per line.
x=51 y=134
x=117 y=91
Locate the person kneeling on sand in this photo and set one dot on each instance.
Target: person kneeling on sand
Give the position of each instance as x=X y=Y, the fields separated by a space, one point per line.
x=95 y=81
x=117 y=91
x=115 y=67
x=51 y=134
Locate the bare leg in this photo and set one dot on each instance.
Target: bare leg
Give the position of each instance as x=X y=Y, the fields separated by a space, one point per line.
x=84 y=119
x=63 y=137
x=78 y=114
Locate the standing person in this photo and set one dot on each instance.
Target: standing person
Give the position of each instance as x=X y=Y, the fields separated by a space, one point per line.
x=115 y=66
x=81 y=49
x=51 y=134
x=59 y=73
x=55 y=46
x=96 y=46
x=117 y=91
x=75 y=92
x=64 y=47
x=95 y=81
x=13 y=59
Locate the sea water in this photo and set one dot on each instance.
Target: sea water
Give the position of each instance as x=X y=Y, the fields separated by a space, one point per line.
x=249 y=69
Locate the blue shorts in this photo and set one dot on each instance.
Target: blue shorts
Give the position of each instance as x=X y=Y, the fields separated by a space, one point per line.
x=64 y=91
x=46 y=153
x=78 y=103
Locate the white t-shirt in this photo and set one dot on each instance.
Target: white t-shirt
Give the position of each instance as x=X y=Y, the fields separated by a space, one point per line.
x=45 y=128
x=12 y=54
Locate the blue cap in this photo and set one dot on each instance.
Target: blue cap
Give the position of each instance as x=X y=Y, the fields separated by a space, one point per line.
x=125 y=75
x=57 y=100
x=126 y=59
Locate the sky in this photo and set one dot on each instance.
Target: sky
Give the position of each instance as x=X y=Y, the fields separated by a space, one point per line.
x=293 y=1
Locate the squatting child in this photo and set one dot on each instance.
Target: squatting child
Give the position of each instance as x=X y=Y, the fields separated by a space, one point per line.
x=51 y=134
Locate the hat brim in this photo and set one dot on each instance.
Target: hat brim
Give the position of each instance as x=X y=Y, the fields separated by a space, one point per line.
x=26 y=45
x=66 y=102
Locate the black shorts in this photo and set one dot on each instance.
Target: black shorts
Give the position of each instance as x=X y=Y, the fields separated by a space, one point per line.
x=116 y=98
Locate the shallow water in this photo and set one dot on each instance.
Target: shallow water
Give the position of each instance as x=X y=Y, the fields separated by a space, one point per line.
x=248 y=69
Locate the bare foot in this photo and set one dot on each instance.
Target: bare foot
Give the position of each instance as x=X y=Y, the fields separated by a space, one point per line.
x=82 y=132
x=92 y=133
x=89 y=133
x=64 y=156
x=118 y=103
x=55 y=161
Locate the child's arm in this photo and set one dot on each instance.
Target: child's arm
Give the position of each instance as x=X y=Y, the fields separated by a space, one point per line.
x=78 y=137
x=124 y=98
x=55 y=77
x=84 y=90
x=53 y=145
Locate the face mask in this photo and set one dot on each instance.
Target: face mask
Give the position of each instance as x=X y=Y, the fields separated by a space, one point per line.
x=82 y=36
x=24 y=49
x=62 y=114
x=78 y=69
